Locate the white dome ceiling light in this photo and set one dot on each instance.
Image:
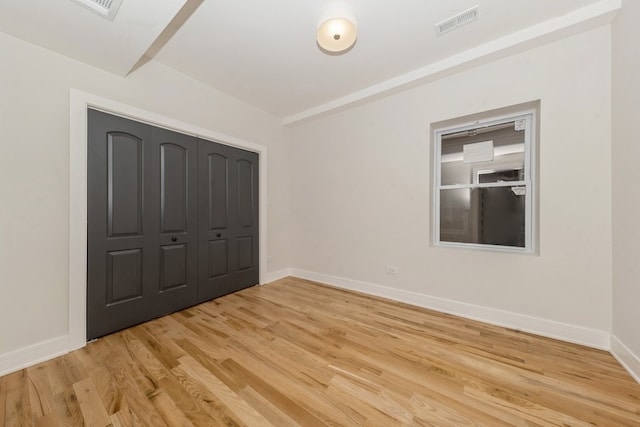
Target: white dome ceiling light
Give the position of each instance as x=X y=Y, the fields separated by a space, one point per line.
x=337 y=31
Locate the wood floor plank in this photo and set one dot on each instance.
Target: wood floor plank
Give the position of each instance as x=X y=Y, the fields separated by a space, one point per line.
x=298 y=353
x=50 y=420
x=40 y=393
x=3 y=400
x=67 y=408
x=308 y=393
x=277 y=397
x=108 y=390
x=186 y=403
x=374 y=397
x=93 y=411
x=169 y=411
x=227 y=396
x=133 y=381
x=266 y=408
x=157 y=349
x=17 y=403
x=211 y=407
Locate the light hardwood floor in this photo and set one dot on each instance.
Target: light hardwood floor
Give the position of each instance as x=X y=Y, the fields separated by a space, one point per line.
x=297 y=353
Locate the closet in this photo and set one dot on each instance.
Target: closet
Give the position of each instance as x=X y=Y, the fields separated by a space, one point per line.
x=172 y=221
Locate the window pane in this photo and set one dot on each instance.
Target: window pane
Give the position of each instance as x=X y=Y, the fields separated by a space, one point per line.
x=491 y=216
x=456 y=211
x=482 y=155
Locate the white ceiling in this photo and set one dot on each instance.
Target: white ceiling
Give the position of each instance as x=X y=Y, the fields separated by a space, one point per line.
x=67 y=28
x=264 y=52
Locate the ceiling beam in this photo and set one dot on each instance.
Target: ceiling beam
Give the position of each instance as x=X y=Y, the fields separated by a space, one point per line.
x=172 y=27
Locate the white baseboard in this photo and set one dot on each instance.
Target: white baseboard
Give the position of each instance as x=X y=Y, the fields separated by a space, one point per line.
x=277 y=275
x=33 y=354
x=629 y=360
x=548 y=328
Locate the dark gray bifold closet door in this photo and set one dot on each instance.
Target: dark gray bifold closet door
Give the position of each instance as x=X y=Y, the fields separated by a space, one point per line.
x=142 y=223
x=228 y=219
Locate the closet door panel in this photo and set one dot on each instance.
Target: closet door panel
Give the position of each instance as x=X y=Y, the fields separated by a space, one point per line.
x=228 y=187
x=174 y=161
x=119 y=259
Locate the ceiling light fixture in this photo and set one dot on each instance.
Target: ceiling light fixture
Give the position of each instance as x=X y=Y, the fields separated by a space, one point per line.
x=337 y=30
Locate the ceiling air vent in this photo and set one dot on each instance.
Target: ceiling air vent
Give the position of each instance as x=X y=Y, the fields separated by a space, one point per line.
x=105 y=8
x=457 y=21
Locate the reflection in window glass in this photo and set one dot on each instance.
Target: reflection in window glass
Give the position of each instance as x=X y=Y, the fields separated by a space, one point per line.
x=484 y=186
x=508 y=151
x=488 y=216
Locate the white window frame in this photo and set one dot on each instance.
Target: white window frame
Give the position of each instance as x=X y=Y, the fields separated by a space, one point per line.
x=528 y=181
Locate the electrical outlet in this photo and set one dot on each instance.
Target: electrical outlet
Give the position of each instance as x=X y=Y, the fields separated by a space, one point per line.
x=392 y=269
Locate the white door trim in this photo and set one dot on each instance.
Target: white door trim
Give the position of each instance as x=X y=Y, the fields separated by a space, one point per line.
x=79 y=102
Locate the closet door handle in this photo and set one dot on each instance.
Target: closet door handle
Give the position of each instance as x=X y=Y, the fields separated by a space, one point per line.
x=218 y=234
x=173 y=239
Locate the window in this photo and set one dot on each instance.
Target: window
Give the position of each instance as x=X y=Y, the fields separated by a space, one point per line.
x=483 y=194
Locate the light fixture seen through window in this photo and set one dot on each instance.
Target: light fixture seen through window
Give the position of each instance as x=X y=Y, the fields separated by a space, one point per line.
x=337 y=31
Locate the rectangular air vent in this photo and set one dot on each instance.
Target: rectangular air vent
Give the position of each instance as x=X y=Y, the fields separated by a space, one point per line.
x=457 y=21
x=105 y=8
